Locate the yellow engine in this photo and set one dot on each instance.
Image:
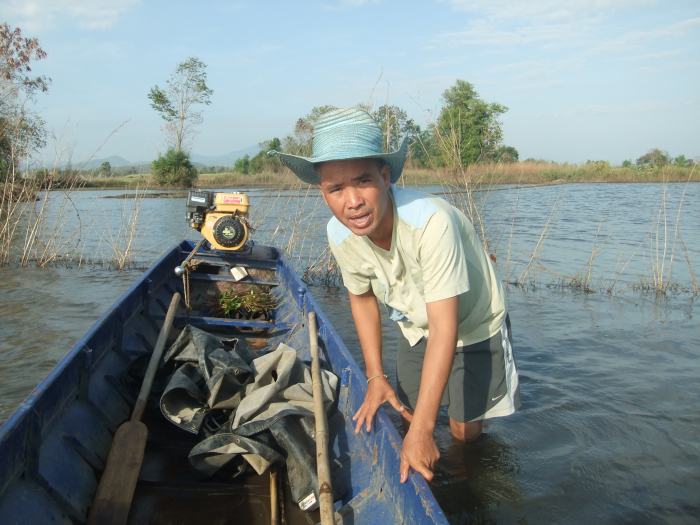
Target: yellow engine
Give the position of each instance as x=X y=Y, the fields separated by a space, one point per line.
x=221 y=217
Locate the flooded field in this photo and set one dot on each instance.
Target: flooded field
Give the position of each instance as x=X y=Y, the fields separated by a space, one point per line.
x=608 y=428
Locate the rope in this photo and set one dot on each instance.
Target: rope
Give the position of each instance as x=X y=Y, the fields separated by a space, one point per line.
x=186 y=286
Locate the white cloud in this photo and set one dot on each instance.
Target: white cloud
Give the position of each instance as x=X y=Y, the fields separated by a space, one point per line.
x=485 y=32
x=594 y=27
x=503 y=23
x=633 y=107
x=37 y=15
x=653 y=56
x=637 y=39
x=545 y=10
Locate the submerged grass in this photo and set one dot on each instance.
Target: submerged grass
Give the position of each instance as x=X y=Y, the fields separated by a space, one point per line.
x=664 y=243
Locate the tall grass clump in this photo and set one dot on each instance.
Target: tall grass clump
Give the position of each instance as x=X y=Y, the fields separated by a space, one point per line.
x=15 y=192
x=29 y=225
x=47 y=220
x=664 y=242
x=121 y=242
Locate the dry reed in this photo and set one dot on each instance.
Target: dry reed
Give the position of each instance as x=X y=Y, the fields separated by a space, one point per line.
x=534 y=256
x=122 y=241
x=663 y=249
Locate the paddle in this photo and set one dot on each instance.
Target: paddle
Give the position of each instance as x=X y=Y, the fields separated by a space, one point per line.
x=323 y=468
x=116 y=489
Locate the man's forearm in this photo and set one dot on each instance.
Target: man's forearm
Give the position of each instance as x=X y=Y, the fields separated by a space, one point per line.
x=437 y=363
x=436 y=371
x=365 y=314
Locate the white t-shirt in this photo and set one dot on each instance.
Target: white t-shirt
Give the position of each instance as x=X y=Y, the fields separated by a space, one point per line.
x=435 y=254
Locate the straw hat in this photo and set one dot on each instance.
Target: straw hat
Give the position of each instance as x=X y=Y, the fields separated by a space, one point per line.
x=344 y=134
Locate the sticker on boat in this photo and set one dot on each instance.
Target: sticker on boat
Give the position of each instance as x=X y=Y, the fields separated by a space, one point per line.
x=308 y=502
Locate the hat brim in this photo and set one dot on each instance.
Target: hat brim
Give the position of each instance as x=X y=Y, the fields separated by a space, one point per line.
x=304 y=167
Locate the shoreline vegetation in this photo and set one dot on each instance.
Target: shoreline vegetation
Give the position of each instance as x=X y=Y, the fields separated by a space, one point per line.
x=29 y=235
x=478 y=175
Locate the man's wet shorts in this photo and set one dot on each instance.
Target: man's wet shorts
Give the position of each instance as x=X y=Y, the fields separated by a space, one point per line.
x=483 y=382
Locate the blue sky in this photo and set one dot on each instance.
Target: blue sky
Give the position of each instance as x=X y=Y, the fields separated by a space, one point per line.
x=595 y=79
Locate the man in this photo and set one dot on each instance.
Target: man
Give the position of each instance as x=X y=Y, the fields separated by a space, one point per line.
x=422 y=259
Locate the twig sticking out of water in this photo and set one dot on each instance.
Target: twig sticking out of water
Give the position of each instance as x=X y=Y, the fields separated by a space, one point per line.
x=522 y=279
x=450 y=145
x=506 y=266
x=583 y=281
x=122 y=242
x=323 y=271
x=611 y=287
x=691 y=271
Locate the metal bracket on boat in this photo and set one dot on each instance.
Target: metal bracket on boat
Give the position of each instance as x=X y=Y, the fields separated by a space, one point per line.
x=180 y=270
x=301 y=296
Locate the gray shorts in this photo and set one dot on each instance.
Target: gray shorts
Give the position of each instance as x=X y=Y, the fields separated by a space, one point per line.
x=483 y=382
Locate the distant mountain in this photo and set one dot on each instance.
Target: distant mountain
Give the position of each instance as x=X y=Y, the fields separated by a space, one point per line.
x=224 y=160
x=115 y=161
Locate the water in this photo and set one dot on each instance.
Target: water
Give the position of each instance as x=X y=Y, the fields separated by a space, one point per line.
x=608 y=427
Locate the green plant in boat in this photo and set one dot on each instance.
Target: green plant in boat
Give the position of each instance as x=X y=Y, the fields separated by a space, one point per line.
x=252 y=303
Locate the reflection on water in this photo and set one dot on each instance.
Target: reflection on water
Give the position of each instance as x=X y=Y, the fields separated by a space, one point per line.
x=608 y=426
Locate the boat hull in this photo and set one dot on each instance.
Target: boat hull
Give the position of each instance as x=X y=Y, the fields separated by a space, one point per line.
x=54 y=446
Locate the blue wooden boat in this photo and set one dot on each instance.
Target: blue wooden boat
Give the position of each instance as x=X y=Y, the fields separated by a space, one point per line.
x=53 y=448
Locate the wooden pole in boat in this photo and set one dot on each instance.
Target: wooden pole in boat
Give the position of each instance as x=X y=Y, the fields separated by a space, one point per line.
x=323 y=468
x=116 y=489
x=274 y=497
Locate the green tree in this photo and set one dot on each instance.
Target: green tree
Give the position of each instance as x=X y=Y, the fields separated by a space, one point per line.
x=627 y=163
x=21 y=131
x=395 y=126
x=174 y=169
x=105 y=169
x=185 y=90
x=242 y=165
x=599 y=166
x=264 y=162
x=468 y=129
x=682 y=161
x=655 y=158
x=299 y=143
x=424 y=151
x=506 y=154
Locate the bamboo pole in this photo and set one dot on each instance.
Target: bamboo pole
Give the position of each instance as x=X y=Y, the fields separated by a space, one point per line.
x=325 y=489
x=274 y=498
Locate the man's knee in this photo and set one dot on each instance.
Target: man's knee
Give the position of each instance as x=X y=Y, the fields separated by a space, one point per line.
x=466 y=431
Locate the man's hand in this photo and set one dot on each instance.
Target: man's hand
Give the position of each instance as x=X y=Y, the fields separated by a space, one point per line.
x=379 y=391
x=419 y=453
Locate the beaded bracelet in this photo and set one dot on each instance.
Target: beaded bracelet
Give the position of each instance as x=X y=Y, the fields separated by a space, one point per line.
x=375 y=377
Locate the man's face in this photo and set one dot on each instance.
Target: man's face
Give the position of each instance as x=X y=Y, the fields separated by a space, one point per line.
x=357 y=192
